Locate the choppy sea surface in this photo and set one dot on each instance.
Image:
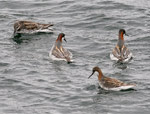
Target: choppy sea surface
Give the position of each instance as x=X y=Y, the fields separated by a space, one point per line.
x=32 y=83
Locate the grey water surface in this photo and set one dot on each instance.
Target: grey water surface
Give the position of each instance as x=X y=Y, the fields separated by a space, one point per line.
x=32 y=83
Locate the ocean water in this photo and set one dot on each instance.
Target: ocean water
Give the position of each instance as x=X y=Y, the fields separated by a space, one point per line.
x=32 y=83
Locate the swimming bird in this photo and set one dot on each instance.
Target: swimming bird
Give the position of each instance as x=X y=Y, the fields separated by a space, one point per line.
x=110 y=83
x=121 y=53
x=30 y=27
x=58 y=52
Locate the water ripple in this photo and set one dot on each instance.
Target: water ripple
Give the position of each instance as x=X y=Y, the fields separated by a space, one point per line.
x=30 y=82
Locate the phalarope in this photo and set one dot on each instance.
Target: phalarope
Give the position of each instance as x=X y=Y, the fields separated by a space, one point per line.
x=58 y=52
x=29 y=27
x=111 y=83
x=121 y=53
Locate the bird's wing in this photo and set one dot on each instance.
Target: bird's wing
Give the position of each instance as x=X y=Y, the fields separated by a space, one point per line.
x=30 y=25
x=66 y=54
x=125 y=52
x=116 y=52
x=45 y=26
x=112 y=83
x=57 y=52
